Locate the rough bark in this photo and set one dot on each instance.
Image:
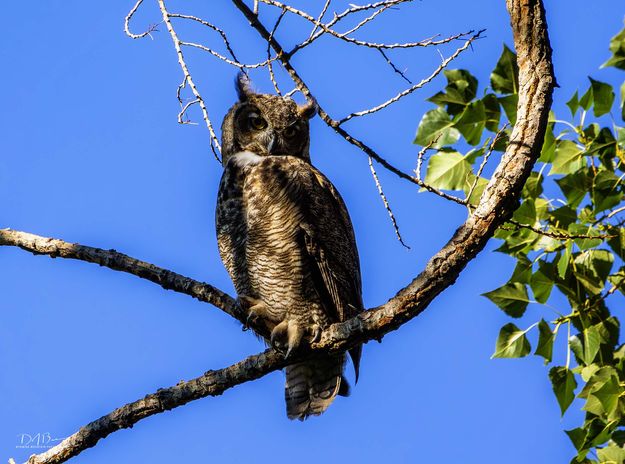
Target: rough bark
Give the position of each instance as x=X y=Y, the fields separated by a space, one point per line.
x=500 y=199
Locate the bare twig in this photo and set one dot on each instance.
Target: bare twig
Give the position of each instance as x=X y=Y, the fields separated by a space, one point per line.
x=423 y=82
x=223 y=35
x=269 y=64
x=500 y=132
x=392 y=65
x=234 y=63
x=151 y=28
x=421 y=154
x=387 y=206
x=343 y=36
x=214 y=142
x=319 y=18
x=558 y=235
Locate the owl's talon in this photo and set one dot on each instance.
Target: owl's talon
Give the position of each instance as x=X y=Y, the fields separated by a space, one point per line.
x=316 y=333
x=256 y=309
x=278 y=336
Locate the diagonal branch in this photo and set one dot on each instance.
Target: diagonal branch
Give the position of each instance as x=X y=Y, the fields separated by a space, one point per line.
x=211 y=383
x=499 y=200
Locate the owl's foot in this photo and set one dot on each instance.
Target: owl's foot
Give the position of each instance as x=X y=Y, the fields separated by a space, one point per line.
x=256 y=310
x=287 y=337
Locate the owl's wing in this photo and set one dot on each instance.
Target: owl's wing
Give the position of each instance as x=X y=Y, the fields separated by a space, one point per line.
x=329 y=241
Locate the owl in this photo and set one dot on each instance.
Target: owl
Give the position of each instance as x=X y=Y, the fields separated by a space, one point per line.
x=287 y=241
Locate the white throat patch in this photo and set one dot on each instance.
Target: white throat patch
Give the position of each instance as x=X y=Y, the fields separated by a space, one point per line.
x=246 y=158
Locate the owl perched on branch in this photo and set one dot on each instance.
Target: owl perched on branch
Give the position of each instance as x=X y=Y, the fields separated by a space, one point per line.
x=286 y=239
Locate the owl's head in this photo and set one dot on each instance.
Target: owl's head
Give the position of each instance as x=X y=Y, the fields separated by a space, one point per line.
x=268 y=125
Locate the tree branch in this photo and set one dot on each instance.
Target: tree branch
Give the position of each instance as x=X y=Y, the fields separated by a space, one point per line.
x=499 y=200
x=120 y=262
x=211 y=383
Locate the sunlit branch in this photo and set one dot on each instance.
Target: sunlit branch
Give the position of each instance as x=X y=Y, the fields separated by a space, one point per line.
x=151 y=28
x=188 y=79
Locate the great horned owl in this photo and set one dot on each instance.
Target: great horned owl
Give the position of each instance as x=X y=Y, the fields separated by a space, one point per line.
x=286 y=239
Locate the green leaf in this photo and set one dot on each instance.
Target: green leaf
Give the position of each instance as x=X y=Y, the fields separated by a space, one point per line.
x=573 y=104
x=512 y=298
x=617 y=47
x=533 y=186
x=479 y=188
x=492 y=111
x=618 y=280
x=617 y=244
x=577 y=437
x=545 y=341
x=460 y=90
x=592 y=268
x=563 y=216
x=575 y=186
x=603 y=96
x=592 y=342
x=564 y=385
x=586 y=100
x=526 y=212
x=512 y=343
x=585 y=243
x=605 y=191
x=608 y=396
x=549 y=145
x=575 y=344
x=611 y=454
x=565 y=260
x=542 y=281
x=448 y=170
x=522 y=271
x=505 y=76
x=436 y=125
x=509 y=104
x=567 y=158
x=471 y=122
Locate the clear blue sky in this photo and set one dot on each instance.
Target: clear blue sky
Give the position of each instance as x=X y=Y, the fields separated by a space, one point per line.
x=91 y=152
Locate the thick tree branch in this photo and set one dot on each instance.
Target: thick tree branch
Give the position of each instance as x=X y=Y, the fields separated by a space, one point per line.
x=211 y=383
x=499 y=200
x=120 y=262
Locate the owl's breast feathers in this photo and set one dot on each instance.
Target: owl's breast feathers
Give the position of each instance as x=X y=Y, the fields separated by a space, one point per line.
x=286 y=238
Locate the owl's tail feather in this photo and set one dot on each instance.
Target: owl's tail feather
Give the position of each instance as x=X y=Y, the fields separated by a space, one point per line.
x=311 y=386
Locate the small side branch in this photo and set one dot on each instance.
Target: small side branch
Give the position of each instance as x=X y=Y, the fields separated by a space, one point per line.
x=387 y=206
x=151 y=28
x=559 y=235
x=215 y=146
x=423 y=82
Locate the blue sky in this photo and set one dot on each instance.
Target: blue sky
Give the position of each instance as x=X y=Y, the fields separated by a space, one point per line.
x=91 y=152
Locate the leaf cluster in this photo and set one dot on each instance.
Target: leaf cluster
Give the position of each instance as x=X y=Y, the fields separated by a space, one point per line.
x=566 y=236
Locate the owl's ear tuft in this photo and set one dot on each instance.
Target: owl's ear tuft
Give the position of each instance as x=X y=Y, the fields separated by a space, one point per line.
x=243 y=84
x=308 y=109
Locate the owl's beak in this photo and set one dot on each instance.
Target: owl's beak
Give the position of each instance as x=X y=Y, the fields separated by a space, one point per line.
x=271 y=143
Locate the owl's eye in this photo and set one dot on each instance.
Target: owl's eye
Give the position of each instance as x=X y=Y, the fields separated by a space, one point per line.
x=290 y=132
x=256 y=122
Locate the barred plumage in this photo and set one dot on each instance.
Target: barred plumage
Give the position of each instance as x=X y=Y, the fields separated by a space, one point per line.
x=286 y=239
